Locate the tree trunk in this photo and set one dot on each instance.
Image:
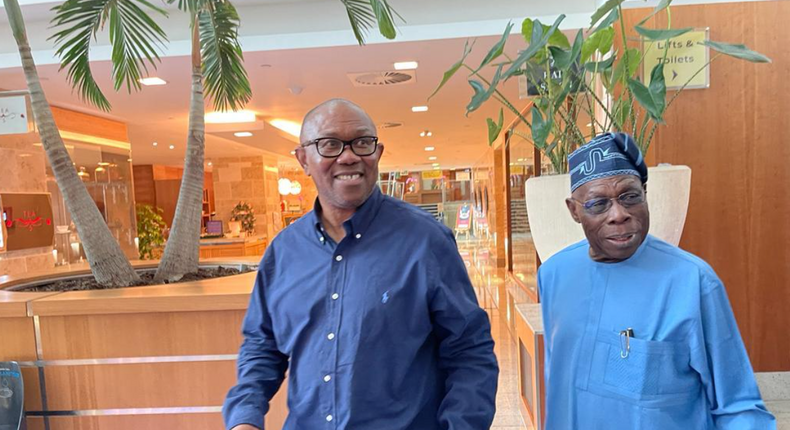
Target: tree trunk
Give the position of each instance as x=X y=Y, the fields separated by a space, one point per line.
x=107 y=261
x=182 y=251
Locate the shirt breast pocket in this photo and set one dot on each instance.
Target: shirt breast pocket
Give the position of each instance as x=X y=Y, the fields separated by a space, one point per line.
x=650 y=373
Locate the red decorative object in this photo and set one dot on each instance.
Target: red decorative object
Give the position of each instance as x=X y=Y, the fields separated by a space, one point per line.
x=30 y=221
x=9 y=224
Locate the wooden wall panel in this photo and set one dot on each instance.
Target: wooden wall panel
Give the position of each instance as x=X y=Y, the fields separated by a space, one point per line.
x=141 y=335
x=734 y=137
x=78 y=122
x=144 y=186
x=167 y=198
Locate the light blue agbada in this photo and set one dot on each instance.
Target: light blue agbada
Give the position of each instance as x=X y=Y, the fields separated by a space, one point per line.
x=685 y=368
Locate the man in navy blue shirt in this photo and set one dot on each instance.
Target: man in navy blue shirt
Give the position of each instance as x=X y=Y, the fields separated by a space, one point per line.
x=367 y=304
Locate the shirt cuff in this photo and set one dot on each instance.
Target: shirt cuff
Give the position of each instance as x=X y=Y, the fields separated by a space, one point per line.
x=250 y=417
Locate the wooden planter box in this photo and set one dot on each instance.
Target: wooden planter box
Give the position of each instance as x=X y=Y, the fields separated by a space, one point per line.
x=135 y=358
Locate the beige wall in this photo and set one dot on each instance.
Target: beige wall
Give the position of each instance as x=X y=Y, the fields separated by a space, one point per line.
x=252 y=180
x=22 y=170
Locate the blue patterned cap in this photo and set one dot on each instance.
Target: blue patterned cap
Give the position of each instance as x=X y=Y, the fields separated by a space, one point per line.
x=610 y=154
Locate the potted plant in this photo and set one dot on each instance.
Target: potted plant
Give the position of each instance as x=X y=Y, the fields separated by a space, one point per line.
x=579 y=90
x=150 y=227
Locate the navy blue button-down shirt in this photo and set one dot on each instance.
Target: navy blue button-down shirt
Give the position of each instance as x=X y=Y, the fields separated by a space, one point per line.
x=380 y=331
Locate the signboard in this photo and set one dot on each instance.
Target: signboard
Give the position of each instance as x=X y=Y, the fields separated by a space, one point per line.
x=462 y=176
x=685 y=57
x=27 y=219
x=14 y=115
x=538 y=77
x=432 y=174
x=463 y=218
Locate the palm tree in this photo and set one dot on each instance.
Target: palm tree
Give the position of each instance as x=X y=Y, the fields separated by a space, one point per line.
x=107 y=261
x=216 y=58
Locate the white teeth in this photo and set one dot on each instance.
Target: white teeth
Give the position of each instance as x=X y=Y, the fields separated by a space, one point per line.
x=348 y=177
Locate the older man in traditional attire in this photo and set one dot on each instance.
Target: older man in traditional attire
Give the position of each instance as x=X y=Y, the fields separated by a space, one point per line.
x=639 y=334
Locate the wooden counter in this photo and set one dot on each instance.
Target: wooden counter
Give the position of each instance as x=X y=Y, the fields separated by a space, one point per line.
x=531 y=387
x=133 y=358
x=233 y=247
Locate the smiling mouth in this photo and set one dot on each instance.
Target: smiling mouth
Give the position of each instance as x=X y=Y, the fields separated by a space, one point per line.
x=348 y=177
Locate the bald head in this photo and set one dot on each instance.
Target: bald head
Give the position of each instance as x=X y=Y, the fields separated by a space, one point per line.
x=324 y=113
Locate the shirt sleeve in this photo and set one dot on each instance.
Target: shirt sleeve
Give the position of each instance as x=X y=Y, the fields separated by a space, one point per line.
x=466 y=349
x=720 y=358
x=261 y=366
x=547 y=325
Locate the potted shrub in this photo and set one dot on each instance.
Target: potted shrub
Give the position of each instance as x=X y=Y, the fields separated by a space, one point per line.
x=580 y=89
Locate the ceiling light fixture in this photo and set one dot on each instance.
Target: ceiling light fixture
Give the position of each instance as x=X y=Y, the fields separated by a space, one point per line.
x=406 y=65
x=242 y=134
x=419 y=108
x=429 y=148
x=155 y=143
x=426 y=133
x=230 y=117
x=290 y=127
x=210 y=163
x=152 y=81
x=172 y=147
x=431 y=158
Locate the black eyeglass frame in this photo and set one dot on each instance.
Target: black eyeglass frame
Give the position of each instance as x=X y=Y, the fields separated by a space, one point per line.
x=349 y=143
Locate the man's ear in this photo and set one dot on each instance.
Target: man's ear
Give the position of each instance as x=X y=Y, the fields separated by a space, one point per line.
x=301 y=156
x=573 y=209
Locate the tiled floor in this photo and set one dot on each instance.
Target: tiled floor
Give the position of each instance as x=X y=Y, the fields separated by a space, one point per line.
x=507 y=416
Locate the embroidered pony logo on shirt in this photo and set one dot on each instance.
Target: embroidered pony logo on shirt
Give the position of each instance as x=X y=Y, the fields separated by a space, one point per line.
x=385 y=297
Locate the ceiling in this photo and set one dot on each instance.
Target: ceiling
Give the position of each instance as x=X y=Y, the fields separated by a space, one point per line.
x=294 y=64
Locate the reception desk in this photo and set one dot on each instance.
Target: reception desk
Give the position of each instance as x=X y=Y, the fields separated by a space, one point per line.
x=251 y=246
x=155 y=357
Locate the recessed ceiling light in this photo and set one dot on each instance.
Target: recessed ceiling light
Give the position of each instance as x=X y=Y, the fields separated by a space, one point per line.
x=426 y=133
x=290 y=127
x=429 y=134
x=155 y=144
x=429 y=148
x=435 y=164
x=172 y=147
x=431 y=158
x=419 y=108
x=230 y=117
x=406 y=65
x=152 y=81
x=242 y=134
x=293 y=152
x=210 y=163
x=520 y=159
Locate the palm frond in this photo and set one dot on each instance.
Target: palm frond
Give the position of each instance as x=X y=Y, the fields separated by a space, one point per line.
x=226 y=81
x=133 y=35
x=365 y=14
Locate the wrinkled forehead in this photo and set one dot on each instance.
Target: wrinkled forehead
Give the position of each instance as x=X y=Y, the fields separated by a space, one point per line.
x=611 y=186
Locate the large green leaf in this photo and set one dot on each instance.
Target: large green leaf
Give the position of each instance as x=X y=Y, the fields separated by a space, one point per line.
x=652 y=98
x=601 y=66
x=540 y=128
x=494 y=128
x=366 y=14
x=603 y=10
x=226 y=81
x=557 y=38
x=497 y=49
x=134 y=36
x=631 y=59
x=601 y=41
x=563 y=59
x=663 y=4
x=451 y=71
x=653 y=34
x=538 y=41
x=610 y=19
x=482 y=94
x=737 y=51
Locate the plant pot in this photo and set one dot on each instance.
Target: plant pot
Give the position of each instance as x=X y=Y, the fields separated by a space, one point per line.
x=553 y=228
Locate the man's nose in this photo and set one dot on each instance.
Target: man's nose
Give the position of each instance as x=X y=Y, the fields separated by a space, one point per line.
x=617 y=213
x=348 y=156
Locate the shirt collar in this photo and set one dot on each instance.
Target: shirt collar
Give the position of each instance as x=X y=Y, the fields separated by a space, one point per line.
x=358 y=223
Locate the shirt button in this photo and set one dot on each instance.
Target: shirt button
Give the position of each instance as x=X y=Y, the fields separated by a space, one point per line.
x=335 y=296
x=339 y=258
x=321 y=239
x=358 y=236
x=329 y=417
x=327 y=378
x=330 y=336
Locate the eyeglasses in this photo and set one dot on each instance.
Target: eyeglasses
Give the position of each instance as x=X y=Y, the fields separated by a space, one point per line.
x=602 y=205
x=329 y=147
